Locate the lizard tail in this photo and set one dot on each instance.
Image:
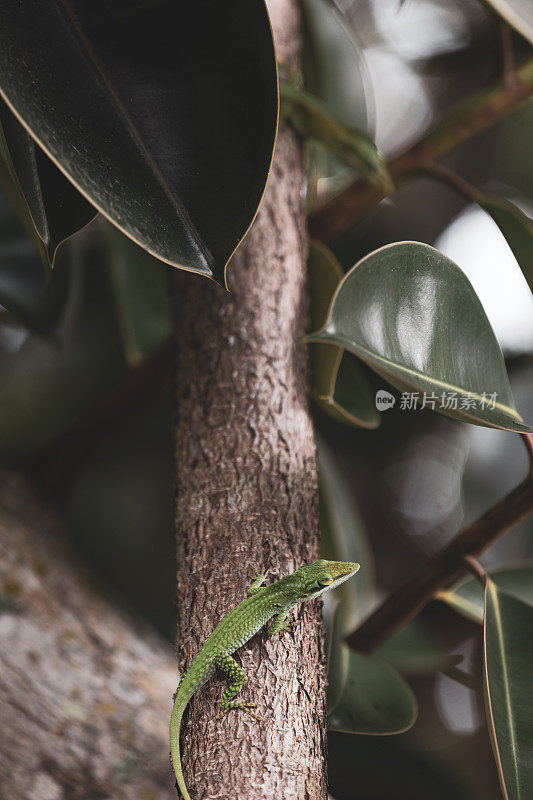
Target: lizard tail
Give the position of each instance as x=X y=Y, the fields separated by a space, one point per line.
x=175 y=726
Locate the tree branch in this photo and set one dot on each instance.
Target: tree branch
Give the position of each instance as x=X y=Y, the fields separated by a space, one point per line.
x=246 y=490
x=451 y=179
x=85 y=689
x=445 y=567
x=471 y=117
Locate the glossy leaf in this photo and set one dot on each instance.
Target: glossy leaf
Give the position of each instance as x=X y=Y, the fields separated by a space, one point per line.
x=508 y=673
x=12 y=193
x=48 y=382
x=316 y=124
x=375 y=698
x=343 y=535
x=56 y=209
x=334 y=624
x=412 y=315
x=32 y=295
x=467 y=597
x=334 y=71
x=518 y=13
x=413 y=651
x=517 y=229
x=163 y=114
x=139 y=288
x=338 y=383
x=334 y=68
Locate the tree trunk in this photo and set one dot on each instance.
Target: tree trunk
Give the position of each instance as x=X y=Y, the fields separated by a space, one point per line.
x=85 y=691
x=247 y=491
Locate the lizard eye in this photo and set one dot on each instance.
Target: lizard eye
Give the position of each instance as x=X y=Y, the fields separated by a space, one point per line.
x=326 y=580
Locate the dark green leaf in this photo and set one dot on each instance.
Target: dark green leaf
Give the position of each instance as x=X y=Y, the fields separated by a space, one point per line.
x=34 y=296
x=334 y=71
x=413 y=651
x=412 y=315
x=163 y=114
x=55 y=207
x=375 y=698
x=12 y=192
x=335 y=626
x=343 y=535
x=339 y=384
x=517 y=229
x=508 y=673
x=467 y=598
x=139 y=287
x=316 y=124
x=48 y=383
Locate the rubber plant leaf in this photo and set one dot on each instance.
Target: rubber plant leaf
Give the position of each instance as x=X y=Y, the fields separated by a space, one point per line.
x=162 y=114
x=412 y=315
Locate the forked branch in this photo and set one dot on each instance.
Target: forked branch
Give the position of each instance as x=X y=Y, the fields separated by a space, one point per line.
x=474 y=115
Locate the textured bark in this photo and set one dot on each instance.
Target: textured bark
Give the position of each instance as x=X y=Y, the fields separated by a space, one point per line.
x=247 y=492
x=85 y=692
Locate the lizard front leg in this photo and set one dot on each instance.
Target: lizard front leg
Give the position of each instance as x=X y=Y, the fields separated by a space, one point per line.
x=236 y=678
x=257 y=583
x=279 y=624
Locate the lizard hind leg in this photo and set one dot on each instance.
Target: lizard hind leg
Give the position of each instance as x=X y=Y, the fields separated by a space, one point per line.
x=236 y=678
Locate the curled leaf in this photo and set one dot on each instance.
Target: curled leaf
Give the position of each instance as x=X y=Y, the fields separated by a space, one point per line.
x=338 y=383
x=411 y=314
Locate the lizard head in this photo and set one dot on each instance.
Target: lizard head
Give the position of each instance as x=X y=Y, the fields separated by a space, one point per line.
x=314 y=579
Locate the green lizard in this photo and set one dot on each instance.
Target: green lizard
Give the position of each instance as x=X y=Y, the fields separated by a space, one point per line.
x=238 y=627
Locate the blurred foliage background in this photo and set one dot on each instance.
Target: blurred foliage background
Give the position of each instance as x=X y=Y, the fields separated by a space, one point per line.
x=413 y=482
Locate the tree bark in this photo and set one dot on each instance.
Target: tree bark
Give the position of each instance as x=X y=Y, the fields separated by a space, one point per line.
x=85 y=691
x=247 y=491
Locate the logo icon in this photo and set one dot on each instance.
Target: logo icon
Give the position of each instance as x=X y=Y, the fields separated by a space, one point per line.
x=384 y=400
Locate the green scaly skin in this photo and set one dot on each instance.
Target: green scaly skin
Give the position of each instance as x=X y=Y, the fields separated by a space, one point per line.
x=237 y=628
